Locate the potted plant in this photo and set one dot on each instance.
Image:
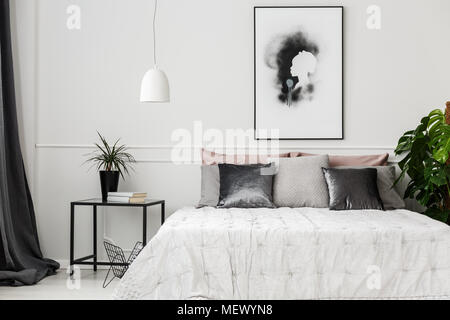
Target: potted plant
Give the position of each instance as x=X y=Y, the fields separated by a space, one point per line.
x=427 y=164
x=111 y=162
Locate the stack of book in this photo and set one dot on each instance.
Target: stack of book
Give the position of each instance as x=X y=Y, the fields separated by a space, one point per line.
x=127 y=197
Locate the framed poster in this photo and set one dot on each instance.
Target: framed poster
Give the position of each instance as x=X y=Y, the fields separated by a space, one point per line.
x=298 y=72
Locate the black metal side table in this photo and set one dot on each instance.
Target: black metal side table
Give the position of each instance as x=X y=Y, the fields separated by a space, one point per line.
x=94 y=203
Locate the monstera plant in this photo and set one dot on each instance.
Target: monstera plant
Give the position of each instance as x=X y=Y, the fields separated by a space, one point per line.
x=427 y=164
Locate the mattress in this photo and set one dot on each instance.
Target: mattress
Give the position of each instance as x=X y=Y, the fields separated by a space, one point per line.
x=292 y=253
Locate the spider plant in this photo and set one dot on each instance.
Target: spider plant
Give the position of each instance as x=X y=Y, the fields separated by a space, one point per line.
x=111 y=158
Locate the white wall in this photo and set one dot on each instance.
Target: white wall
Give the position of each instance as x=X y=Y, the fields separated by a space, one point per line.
x=89 y=80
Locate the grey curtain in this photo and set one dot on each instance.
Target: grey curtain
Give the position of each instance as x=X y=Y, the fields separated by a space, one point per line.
x=21 y=260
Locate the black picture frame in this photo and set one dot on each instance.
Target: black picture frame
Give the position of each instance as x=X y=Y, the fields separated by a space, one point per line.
x=254 y=73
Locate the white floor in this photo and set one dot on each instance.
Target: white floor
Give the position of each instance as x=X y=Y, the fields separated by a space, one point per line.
x=59 y=287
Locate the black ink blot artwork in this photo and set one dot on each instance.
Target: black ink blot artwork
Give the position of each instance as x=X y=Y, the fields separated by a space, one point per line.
x=295 y=59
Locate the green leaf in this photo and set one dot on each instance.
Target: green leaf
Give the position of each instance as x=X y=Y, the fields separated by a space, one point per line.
x=435 y=172
x=427 y=150
x=111 y=158
x=438 y=214
x=441 y=154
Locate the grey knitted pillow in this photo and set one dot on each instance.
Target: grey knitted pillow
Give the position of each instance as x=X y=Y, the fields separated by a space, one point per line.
x=300 y=182
x=210 y=186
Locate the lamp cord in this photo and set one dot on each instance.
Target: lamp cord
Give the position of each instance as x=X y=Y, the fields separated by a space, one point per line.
x=154 y=33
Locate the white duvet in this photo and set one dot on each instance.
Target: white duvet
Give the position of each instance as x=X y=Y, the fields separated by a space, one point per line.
x=284 y=253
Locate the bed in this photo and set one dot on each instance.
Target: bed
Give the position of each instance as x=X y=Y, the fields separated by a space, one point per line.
x=299 y=253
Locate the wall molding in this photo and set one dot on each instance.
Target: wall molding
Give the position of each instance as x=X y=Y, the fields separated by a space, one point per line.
x=169 y=147
x=261 y=146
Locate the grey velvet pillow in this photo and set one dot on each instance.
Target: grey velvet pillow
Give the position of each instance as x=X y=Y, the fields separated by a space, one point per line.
x=353 y=189
x=385 y=180
x=300 y=182
x=210 y=186
x=245 y=186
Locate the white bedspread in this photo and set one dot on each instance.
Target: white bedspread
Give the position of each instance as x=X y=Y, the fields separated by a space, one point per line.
x=301 y=253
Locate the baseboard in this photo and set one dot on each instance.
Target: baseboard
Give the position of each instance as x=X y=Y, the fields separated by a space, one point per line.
x=64 y=265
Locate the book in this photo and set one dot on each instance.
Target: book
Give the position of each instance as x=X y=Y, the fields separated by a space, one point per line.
x=137 y=200
x=128 y=194
x=126 y=199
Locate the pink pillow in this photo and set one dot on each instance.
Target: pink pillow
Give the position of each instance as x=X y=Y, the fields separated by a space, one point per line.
x=211 y=157
x=341 y=160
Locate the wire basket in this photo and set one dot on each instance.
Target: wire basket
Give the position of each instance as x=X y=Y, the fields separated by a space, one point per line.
x=119 y=265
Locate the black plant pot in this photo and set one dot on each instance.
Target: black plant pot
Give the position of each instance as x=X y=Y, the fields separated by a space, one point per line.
x=109 y=181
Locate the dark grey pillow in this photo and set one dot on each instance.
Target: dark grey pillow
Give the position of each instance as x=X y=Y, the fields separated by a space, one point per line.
x=245 y=186
x=353 y=189
x=385 y=180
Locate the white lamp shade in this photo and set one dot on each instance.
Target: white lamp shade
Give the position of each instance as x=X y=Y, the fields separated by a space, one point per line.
x=155 y=86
